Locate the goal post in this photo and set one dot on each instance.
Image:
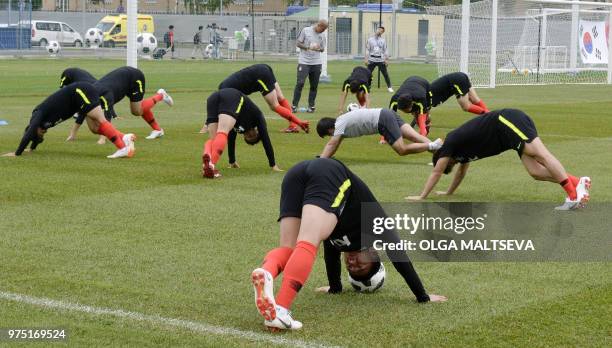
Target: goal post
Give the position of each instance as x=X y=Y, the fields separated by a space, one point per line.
x=132 y=33
x=505 y=42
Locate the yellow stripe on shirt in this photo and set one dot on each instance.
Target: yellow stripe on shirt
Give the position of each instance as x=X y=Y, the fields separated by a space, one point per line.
x=263 y=85
x=240 y=105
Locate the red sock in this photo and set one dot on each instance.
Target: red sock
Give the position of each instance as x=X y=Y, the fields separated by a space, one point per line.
x=296 y=272
x=115 y=136
x=421 y=120
x=208 y=148
x=569 y=187
x=475 y=109
x=148 y=103
x=147 y=115
x=285 y=103
x=483 y=105
x=217 y=147
x=276 y=259
x=286 y=114
x=573 y=179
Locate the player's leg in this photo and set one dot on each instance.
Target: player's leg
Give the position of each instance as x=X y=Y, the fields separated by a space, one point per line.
x=314 y=75
x=476 y=100
x=215 y=146
x=302 y=73
x=99 y=125
x=467 y=106
x=556 y=172
x=390 y=126
x=412 y=135
x=383 y=69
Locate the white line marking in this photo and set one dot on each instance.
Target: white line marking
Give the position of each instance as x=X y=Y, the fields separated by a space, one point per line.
x=158 y=320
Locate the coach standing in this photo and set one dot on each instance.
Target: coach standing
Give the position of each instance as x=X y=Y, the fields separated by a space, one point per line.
x=377 y=55
x=311 y=42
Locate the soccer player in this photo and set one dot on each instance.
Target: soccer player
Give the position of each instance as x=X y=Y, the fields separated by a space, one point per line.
x=320 y=201
x=130 y=82
x=413 y=98
x=81 y=97
x=459 y=85
x=229 y=111
x=260 y=78
x=71 y=75
x=492 y=134
x=373 y=121
x=357 y=83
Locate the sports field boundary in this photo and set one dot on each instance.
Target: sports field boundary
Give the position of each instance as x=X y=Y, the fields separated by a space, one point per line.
x=198 y=327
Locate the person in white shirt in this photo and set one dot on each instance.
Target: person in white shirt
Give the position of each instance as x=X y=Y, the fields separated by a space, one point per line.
x=373 y=121
x=377 y=55
x=247 y=39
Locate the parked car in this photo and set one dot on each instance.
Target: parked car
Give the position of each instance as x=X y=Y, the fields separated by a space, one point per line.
x=44 y=32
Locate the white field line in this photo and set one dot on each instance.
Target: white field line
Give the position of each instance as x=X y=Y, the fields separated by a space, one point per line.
x=201 y=328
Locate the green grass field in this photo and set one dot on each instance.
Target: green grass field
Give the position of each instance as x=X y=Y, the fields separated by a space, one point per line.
x=148 y=235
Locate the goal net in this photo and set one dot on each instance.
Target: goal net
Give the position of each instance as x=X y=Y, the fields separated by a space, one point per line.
x=536 y=43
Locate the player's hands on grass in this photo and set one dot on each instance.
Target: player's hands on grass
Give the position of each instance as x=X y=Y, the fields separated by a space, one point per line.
x=234 y=165
x=9 y=154
x=71 y=137
x=277 y=169
x=101 y=141
x=437 y=298
x=414 y=198
x=322 y=289
x=443 y=193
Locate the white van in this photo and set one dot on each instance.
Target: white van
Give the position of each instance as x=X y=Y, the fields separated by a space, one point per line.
x=45 y=31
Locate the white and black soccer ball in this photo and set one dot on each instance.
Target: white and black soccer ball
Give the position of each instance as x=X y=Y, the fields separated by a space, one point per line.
x=208 y=51
x=352 y=106
x=53 y=47
x=94 y=37
x=372 y=284
x=146 y=43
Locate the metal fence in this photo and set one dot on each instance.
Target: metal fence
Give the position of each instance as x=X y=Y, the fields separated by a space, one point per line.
x=15 y=28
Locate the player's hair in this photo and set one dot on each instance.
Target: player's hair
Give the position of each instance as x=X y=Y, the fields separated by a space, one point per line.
x=354 y=86
x=381 y=27
x=434 y=159
x=324 y=125
x=375 y=267
x=171 y=26
x=404 y=101
x=253 y=141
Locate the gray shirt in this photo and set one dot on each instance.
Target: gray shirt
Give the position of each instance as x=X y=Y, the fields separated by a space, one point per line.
x=307 y=37
x=357 y=123
x=377 y=49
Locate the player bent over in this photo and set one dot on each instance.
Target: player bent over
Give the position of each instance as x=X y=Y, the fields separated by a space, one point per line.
x=413 y=98
x=78 y=97
x=357 y=83
x=373 y=121
x=320 y=201
x=72 y=75
x=459 y=85
x=496 y=132
x=230 y=112
x=260 y=78
x=130 y=82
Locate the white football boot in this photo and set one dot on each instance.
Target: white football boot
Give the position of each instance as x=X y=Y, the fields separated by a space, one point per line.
x=283 y=321
x=167 y=98
x=264 y=293
x=582 y=190
x=128 y=150
x=156 y=134
x=568 y=205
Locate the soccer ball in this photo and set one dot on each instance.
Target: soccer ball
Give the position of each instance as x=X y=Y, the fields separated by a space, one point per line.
x=208 y=51
x=53 y=47
x=94 y=37
x=352 y=106
x=372 y=284
x=146 y=43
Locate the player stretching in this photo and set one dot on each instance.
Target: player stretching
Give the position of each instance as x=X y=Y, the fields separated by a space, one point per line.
x=413 y=98
x=260 y=78
x=373 y=121
x=130 y=82
x=230 y=112
x=71 y=75
x=357 y=83
x=320 y=200
x=496 y=132
x=79 y=97
x=459 y=85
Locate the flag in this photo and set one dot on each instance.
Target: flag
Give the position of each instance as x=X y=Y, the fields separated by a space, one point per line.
x=593 y=43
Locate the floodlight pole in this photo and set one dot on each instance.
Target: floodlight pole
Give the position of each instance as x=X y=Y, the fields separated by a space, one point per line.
x=465 y=36
x=132 y=10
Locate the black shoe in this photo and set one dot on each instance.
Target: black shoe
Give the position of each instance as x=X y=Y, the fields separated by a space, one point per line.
x=310 y=109
x=293 y=109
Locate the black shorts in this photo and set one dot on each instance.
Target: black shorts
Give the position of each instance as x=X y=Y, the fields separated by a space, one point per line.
x=460 y=83
x=264 y=80
x=457 y=84
x=137 y=89
x=389 y=126
x=516 y=126
x=322 y=182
